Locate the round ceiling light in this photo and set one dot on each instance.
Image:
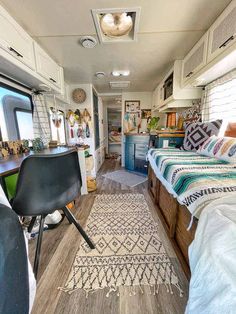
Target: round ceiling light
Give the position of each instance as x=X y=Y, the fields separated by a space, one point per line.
x=100 y=74
x=88 y=41
x=116 y=24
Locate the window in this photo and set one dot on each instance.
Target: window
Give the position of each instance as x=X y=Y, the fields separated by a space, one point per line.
x=57 y=123
x=24 y=123
x=16 y=122
x=219 y=100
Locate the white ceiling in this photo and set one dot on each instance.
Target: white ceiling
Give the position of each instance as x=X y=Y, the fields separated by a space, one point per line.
x=168 y=30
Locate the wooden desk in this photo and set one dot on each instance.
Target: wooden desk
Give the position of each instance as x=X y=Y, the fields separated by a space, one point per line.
x=11 y=164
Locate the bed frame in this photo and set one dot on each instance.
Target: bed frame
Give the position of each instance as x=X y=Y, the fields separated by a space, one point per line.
x=175 y=218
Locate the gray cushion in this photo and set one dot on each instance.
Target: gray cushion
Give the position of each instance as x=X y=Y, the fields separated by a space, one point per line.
x=197 y=133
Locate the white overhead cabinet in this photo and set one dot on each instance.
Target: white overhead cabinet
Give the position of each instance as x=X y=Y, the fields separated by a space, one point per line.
x=48 y=68
x=170 y=93
x=195 y=59
x=15 y=40
x=222 y=33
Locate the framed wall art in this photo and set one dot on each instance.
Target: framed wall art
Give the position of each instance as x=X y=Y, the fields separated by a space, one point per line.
x=132 y=105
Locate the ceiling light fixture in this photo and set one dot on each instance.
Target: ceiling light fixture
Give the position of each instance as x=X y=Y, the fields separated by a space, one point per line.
x=116 y=24
x=88 y=41
x=120 y=73
x=100 y=74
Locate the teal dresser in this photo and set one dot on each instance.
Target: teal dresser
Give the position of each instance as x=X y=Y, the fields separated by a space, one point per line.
x=136 y=148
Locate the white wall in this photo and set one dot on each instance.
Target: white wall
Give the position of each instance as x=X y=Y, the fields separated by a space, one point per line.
x=88 y=104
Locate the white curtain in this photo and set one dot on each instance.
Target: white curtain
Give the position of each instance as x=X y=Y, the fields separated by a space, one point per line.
x=219 y=99
x=41 y=124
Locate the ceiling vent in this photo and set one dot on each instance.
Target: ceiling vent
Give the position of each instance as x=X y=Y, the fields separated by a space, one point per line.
x=116 y=25
x=88 y=41
x=120 y=85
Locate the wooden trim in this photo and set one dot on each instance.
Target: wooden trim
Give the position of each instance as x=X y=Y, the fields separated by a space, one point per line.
x=171 y=135
x=175 y=219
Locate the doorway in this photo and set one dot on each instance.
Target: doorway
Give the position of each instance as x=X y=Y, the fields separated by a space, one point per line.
x=114 y=132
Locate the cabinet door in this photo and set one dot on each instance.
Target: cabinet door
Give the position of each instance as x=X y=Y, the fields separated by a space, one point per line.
x=195 y=59
x=222 y=33
x=129 y=156
x=47 y=67
x=15 y=40
x=160 y=94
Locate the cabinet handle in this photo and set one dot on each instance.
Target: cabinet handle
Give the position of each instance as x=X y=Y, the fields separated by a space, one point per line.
x=51 y=79
x=189 y=74
x=16 y=52
x=226 y=42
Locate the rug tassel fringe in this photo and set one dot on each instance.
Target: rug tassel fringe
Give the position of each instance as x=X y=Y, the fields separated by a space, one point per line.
x=140 y=289
x=152 y=290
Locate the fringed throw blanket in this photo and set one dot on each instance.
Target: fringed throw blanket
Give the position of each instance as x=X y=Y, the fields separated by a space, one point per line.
x=196 y=179
x=128 y=249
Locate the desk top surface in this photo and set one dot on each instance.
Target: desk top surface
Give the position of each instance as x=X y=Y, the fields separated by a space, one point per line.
x=11 y=164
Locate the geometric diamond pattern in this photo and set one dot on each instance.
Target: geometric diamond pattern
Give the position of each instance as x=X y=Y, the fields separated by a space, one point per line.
x=128 y=250
x=197 y=133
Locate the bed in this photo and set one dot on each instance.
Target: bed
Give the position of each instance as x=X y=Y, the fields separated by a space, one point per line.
x=114 y=137
x=212 y=258
x=182 y=185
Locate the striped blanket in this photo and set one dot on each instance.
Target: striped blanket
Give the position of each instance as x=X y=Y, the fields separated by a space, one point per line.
x=197 y=180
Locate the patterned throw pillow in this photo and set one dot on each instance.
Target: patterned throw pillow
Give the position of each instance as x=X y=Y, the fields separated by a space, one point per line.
x=223 y=148
x=197 y=133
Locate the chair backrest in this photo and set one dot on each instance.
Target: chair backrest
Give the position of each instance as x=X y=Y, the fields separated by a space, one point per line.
x=14 y=283
x=46 y=183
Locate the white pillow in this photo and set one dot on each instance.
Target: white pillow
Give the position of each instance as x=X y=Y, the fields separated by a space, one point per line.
x=223 y=148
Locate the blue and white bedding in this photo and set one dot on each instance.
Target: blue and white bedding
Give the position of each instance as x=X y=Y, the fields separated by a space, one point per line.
x=193 y=179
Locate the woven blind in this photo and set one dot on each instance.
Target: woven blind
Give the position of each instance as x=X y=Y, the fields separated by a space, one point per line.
x=219 y=99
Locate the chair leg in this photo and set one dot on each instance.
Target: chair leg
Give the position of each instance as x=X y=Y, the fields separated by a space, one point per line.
x=72 y=219
x=38 y=247
x=31 y=225
x=68 y=217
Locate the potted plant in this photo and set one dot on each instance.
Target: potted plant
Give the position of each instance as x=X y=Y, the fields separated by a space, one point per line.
x=153 y=124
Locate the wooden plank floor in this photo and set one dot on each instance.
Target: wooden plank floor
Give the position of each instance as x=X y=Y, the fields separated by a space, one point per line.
x=58 y=251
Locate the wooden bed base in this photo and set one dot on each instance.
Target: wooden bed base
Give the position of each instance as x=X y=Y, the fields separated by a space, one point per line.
x=175 y=218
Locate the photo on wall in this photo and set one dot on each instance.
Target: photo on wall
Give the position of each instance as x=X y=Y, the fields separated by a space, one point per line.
x=132 y=106
x=146 y=113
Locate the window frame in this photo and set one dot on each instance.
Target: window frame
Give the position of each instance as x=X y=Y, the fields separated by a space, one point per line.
x=23 y=93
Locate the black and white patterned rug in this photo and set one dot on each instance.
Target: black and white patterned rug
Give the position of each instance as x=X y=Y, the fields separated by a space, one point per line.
x=128 y=250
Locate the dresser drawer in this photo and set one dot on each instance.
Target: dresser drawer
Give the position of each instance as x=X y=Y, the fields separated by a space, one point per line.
x=141 y=151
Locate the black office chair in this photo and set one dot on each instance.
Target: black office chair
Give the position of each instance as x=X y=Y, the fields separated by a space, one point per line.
x=14 y=279
x=47 y=183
